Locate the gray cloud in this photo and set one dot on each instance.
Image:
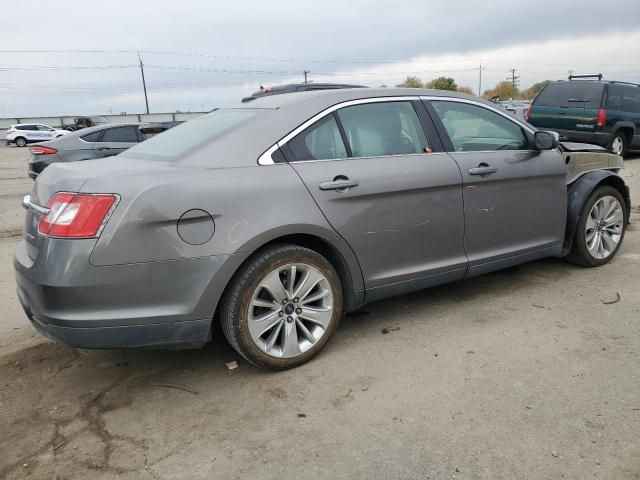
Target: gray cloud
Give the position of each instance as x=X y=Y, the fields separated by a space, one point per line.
x=304 y=31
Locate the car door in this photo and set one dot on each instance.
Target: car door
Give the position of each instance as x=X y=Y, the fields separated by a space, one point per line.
x=515 y=197
x=45 y=133
x=116 y=140
x=400 y=208
x=31 y=133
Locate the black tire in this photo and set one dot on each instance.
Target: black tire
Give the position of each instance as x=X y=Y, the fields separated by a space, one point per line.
x=621 y=137
x=579 y=251
x=235 y=307
x=21 y=141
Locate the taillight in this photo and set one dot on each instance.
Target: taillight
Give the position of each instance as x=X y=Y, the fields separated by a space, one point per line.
x=40 y=150
x=527 y=114
x=76 y=215
x=601 y=119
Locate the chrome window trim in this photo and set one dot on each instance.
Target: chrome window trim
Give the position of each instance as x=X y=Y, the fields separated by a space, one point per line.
x=480 y=104
x=342 y=159
x=265 y=158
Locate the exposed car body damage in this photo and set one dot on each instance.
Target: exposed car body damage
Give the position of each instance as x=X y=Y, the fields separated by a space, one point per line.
x=583 y=158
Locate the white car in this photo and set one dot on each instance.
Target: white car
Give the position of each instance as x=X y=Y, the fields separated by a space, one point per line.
x=24 y=133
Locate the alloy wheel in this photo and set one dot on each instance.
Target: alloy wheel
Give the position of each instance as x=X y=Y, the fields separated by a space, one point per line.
x=604 y=227
x=290 y=310
x=617 y=145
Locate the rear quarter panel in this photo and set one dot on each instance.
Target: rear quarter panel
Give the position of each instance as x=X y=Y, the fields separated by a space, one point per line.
x=249 y=206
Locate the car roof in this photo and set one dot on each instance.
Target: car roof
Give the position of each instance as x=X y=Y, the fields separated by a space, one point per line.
x=345 y=94
x=602 y=82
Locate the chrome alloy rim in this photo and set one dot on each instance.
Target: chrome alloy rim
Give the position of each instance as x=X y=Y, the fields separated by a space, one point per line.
x=290 y=310
x=604 y=227
x=616 y=145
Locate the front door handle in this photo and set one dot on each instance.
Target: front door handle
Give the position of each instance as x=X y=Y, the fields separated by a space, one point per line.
x=483 y=170
x=340 y=185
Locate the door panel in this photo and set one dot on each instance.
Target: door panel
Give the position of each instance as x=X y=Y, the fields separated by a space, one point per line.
x=515 y=199
x=116 y=140
x=403 y=219
x=520 y=208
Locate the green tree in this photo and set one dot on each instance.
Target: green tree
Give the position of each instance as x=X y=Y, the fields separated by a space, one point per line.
x=466 y=90
x=411 y=82
x=504 y=90
x=442 y=83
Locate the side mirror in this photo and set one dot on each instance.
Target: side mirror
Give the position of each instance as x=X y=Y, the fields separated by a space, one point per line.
x=543 y=140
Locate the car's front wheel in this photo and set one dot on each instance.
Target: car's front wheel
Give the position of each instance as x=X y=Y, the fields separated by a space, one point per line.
x=282 y=306
x=601 y=228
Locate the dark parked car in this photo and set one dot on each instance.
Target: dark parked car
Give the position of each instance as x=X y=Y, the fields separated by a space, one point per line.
x=91 y=143
x=275 y=217
x=85 y=122
x=605 y=113
x=297 y=87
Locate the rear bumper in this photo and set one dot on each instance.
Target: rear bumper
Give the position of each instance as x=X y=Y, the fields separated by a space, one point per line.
x=187 y=334
x=155 y=304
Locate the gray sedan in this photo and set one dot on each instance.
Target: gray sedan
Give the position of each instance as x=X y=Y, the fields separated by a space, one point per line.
x=91 y=143
x=274 y=217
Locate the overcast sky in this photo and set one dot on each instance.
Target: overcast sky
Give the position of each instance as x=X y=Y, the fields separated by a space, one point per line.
x=201 y=54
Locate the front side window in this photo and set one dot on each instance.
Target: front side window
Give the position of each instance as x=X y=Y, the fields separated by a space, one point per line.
x=120 y=134
x=44 y=128
x=320 y=141
x=383 y=128
x=476 y=128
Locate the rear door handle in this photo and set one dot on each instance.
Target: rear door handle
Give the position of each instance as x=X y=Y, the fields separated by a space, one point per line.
x=104 y=148
x=483 y=170
x=338 y=185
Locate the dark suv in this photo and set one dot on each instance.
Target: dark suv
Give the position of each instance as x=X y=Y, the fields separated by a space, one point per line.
x=605 y=113
x=297 y=87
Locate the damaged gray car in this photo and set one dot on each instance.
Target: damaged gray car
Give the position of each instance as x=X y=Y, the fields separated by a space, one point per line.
x=275 y=217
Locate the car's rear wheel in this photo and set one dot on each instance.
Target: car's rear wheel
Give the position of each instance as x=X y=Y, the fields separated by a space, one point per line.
x=21 y=141
x=282 y=307
x=601 y=228
x=618 y=144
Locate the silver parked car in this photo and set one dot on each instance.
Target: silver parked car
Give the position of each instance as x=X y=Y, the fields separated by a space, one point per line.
x=101 y=141
x=276 y=216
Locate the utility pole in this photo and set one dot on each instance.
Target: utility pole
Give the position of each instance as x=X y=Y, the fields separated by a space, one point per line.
x=515 y=80
x=305 y=75
x=144 y=84
x=480 y=80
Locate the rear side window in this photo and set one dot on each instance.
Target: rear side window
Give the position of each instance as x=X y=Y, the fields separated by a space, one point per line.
x=169 y=145
x=623 y=98
x=576 y=94
x=320 y=141
x=384 y=128
x=92 y=137
x=475 y=128
x=121 y=135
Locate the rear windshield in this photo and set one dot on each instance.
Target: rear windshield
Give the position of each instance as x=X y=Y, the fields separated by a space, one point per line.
x=576 y=94
x=175 y=142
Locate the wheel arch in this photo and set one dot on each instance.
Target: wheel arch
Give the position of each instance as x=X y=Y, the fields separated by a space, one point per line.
x=335 y=250
x=579 y=191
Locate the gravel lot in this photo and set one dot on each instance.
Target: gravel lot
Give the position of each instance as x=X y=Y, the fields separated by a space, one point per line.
x=524 y=373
